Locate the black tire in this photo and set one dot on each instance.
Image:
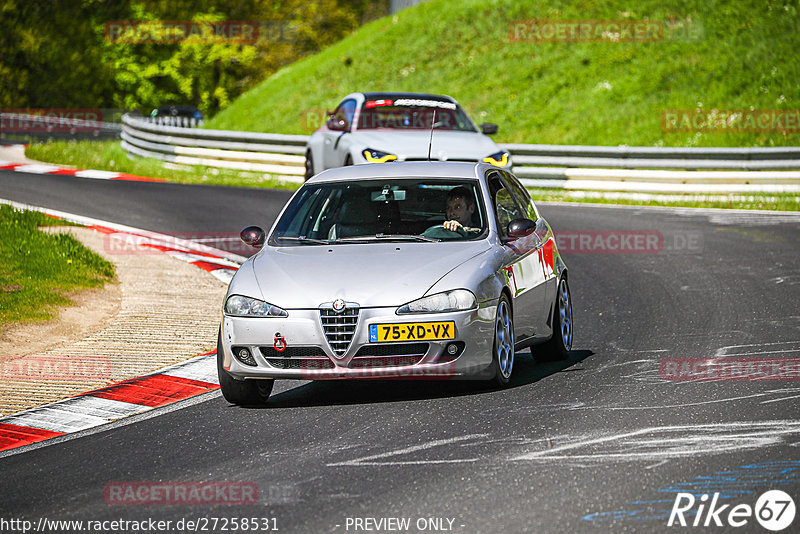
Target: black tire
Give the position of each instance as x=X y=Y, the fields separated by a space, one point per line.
x=348 y=160
x=559 y=345
x=309 y=165
x=241 y=392
x=503 y=353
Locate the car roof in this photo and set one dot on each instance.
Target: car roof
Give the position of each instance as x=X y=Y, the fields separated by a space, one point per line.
x=404 y=169
x=377 y=95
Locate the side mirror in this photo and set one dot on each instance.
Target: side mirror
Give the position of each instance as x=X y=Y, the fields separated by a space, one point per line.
x=487 y=128
x=520 y=228
x=253 y=236
x=337 y=124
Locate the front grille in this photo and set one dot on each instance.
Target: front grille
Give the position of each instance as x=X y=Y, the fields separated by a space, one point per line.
x=293 y=352
x=297 y=358
x=301 y=363
x=391 y=355
x=339 y=328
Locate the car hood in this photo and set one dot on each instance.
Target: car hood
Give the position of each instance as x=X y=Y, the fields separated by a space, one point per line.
x=413 y=144
x=372 y=275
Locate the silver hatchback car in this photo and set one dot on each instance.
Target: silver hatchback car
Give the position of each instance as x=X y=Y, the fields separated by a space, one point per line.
x=395 y=270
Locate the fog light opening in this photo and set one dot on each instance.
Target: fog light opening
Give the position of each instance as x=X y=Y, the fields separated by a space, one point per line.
x=243 y=355
x=451 y=351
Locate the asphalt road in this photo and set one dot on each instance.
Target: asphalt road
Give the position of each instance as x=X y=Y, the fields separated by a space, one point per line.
x=600 y=443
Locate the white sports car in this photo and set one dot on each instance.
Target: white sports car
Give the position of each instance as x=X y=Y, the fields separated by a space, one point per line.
x=383 y=127
x=428 y=269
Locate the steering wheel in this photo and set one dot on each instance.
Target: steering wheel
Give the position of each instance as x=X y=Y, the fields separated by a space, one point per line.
x=438 y=231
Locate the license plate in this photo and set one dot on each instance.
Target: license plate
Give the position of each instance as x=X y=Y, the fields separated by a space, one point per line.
x=412 y=331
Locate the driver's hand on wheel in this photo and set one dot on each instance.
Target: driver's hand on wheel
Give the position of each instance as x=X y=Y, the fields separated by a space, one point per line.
x=453 y=226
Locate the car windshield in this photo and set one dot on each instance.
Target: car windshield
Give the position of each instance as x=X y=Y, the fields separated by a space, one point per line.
x=409 y=209
x=413 y=114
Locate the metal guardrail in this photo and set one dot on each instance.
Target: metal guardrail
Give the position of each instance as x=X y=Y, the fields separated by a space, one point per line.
x=537 y=164
x=181 y=122
x=625 y=157
x=249 y=151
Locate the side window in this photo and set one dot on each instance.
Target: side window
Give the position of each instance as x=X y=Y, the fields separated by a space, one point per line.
x=505 y=207
x=522 y=196
x=347 y=111
x=342 y=118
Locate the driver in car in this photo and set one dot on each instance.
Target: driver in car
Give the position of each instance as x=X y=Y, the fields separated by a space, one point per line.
x=460 y=207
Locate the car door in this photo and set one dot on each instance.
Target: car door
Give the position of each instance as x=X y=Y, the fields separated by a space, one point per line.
x=338 y=126
x=521 y=262
x=545 y=249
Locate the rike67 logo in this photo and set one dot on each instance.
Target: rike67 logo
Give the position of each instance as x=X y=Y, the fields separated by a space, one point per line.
x=774 y=510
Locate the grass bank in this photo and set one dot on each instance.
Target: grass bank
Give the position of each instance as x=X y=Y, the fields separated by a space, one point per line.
x=38 y=270
x=711 y=55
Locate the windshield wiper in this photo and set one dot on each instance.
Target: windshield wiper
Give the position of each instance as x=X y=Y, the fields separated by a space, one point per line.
x=408 y=237
x=303 y=239
x=358 y=238
x=387 y=237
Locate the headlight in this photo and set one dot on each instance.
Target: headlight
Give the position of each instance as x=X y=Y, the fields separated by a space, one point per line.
x=498 y=159
x=376 y=156
x=449 y=301
x=246 y=307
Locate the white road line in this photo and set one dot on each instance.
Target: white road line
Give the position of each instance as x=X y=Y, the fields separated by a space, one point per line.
x=36 y=168
x=693 y=440
x=202 y=370
x=368 y=460
x=682 y=405
x=781 y=399
x=108 y=409
x=55 y=419
x=725 y=352
x=98 y=175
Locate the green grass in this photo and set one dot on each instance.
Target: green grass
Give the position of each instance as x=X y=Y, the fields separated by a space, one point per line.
x=39 y=270
x=717 y=55
x=109 y=156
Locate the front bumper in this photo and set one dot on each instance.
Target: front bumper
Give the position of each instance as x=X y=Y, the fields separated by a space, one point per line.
x=309 y=356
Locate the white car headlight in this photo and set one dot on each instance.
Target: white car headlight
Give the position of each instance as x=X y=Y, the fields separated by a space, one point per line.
x=247 y=307
x=449 y=301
